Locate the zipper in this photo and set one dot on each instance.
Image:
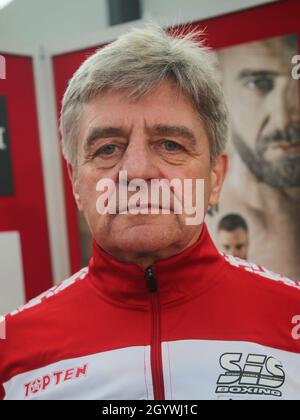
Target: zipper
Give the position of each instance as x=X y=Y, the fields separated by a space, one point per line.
x=156 y=353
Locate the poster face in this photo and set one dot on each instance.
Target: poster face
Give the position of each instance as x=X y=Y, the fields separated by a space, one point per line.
x=258 y=217
x=6 y=178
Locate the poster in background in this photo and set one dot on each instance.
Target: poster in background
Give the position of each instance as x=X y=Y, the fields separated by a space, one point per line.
x=263 y=184
x=6 y=176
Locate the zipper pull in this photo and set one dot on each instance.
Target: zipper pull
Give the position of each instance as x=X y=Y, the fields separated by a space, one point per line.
x=151 y=280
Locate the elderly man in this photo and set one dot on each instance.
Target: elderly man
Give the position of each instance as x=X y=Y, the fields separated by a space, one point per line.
x=159 y=313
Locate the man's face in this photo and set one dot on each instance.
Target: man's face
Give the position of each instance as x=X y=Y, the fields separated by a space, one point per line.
x=234 y=243
x=263 y=100
x=159 y=136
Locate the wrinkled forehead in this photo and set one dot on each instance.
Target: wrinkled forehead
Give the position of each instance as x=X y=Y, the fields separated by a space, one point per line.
x=164 y=111
x=272 y=54
x=236 y=235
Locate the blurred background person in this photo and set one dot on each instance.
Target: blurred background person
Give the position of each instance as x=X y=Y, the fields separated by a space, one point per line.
x=233 y=236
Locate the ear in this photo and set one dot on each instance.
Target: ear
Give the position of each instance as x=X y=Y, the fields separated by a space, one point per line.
x=218 y=174
x=73 y=176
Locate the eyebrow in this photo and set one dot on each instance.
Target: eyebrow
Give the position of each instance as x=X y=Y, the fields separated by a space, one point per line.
x=257 y=73
x=173 y=131
x=98 y=133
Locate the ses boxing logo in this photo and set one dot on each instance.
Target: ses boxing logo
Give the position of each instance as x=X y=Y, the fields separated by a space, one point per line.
x=51 y=381
x=257 y=375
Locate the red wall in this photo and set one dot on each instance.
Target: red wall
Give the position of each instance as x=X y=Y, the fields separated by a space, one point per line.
x=275 y=19
x=25 y=212
x=64 y=66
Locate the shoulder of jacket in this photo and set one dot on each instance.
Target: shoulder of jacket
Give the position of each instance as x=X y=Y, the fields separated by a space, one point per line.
x=39 y=301
x=257 y=273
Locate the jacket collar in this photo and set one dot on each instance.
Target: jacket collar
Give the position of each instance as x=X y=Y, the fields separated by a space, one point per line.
x=177 y=277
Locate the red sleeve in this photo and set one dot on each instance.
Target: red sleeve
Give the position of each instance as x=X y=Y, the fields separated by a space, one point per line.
x=2 y=392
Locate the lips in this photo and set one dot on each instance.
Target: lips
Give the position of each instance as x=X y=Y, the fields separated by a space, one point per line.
x=288 y=148
x=294 y=148
x=143 y=207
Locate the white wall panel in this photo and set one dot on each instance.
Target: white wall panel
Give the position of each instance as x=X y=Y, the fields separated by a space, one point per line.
x=11 y=272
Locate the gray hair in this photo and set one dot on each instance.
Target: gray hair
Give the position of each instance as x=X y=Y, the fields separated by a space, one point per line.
x=137 y=62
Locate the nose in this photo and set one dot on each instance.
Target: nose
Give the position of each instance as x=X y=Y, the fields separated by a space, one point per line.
x=139 y=161
x=292 y=101
x=284 y=107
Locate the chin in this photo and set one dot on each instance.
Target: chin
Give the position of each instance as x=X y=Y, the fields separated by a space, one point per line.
x=147 y=238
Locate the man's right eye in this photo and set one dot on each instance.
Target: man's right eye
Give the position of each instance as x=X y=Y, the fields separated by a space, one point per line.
x=106 y=150
x=261 y=84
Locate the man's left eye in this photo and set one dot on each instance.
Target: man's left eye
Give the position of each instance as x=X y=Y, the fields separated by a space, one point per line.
x=171 y=146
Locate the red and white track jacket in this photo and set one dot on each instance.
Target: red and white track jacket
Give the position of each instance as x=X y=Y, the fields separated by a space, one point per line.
x=198 y=325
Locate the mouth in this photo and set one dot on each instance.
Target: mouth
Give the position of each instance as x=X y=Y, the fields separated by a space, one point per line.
x=149 y=207
x=287 y=148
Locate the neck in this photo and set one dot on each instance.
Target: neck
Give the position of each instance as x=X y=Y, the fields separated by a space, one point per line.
x=177 y=277
x=261 y=197
x=145 y=259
